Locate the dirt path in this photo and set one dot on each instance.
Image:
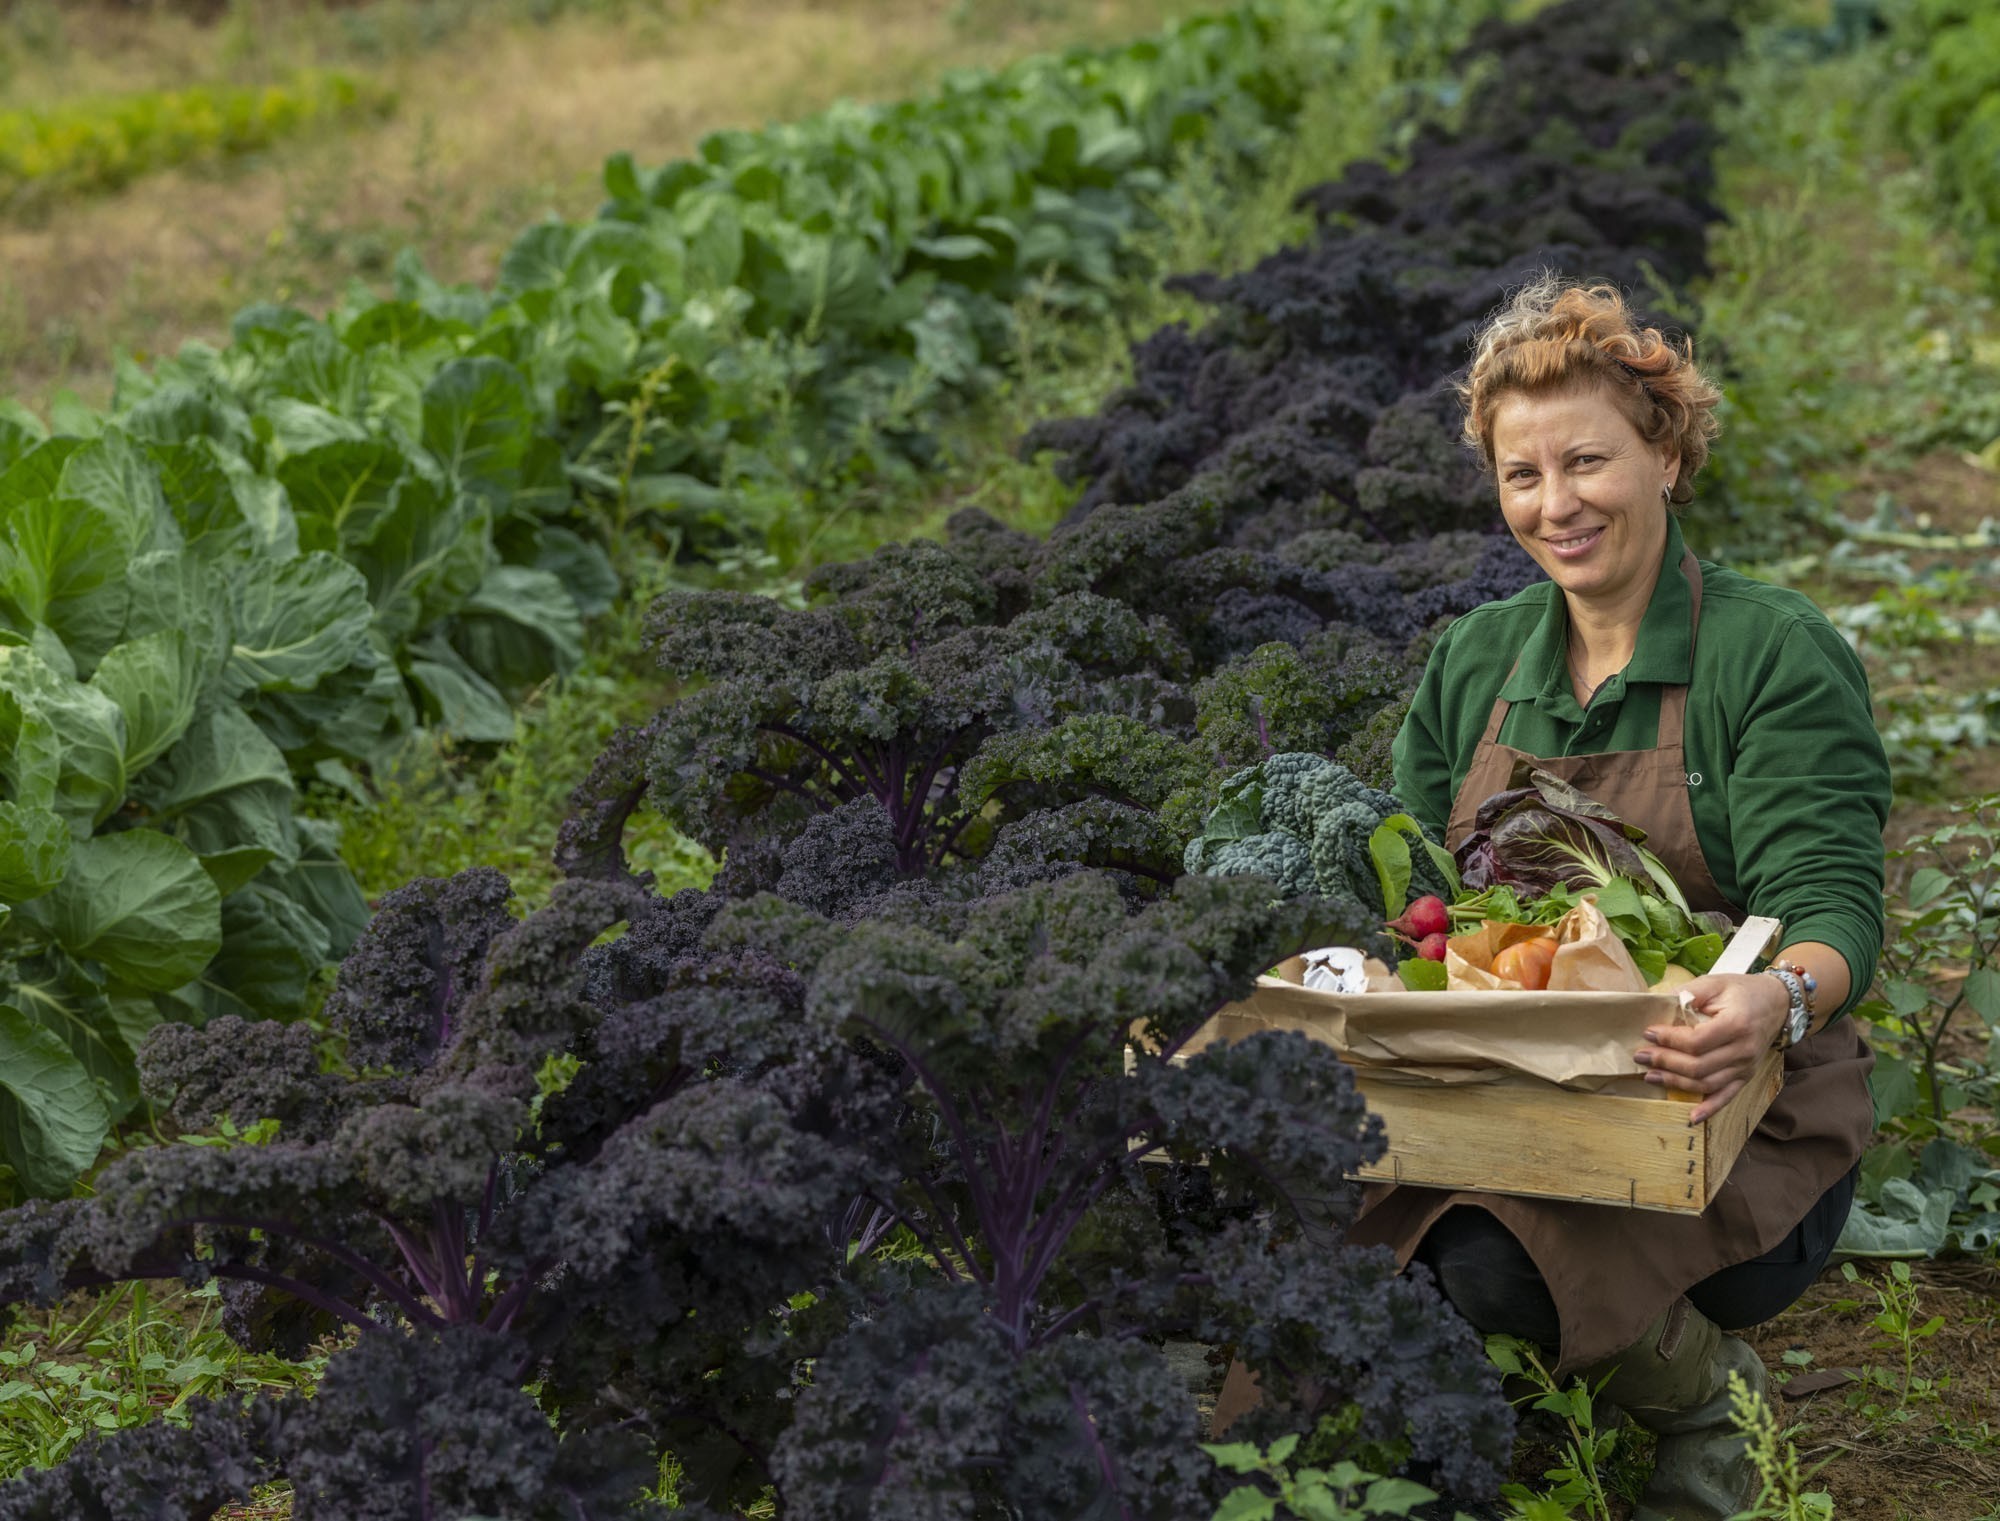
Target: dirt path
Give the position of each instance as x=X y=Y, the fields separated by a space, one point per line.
x=503 y=125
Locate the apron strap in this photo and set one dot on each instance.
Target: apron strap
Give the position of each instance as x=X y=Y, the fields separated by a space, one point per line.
x=1674 y=700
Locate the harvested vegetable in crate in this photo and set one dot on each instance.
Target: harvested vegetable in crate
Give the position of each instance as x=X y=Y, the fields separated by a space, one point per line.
x=1538 y=850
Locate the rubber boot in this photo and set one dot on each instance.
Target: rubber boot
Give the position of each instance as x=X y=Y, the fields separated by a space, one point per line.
x=1674 y=1381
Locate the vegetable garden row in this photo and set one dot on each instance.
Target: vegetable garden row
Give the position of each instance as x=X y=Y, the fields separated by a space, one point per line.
x=825 y=1180
x=272 y=562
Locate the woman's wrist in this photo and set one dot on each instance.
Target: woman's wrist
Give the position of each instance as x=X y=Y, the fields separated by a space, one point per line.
x=1771 y=1003
x=1796 y=982
x=1828 y=967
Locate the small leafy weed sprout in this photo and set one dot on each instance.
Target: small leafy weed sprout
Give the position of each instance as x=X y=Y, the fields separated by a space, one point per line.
x=1944 y=956
x=1577 y=1484
x=1343 y=1492
x=1781 y=1483
x=1896 y=1316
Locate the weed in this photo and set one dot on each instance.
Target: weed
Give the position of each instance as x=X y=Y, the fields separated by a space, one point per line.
x=1896 y=1315
x=1343 y=1492
x=441 y=812
x=132 y=1354
x=1575 y=1481
x=1849 y=329
x=1781 y=1483
x=1942 y=960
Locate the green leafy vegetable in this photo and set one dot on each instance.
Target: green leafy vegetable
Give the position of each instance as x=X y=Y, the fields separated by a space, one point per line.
x=1390 y=852
x=1421 y=976
x=51 y=1120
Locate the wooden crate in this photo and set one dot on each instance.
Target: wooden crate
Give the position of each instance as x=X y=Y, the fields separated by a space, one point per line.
x=1629 y=1144
x=1546 y=1142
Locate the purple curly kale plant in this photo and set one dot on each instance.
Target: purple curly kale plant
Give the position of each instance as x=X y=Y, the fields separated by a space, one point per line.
x=1075 y=1215
x=464 y=1231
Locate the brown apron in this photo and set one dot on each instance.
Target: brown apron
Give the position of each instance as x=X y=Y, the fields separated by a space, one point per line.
x=1612 y=1270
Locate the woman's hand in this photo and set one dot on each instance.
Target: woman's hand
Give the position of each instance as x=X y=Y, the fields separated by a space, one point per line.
x=1716 y=1057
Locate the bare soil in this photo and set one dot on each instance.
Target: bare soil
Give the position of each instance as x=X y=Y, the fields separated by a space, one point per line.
x=1935 y=1455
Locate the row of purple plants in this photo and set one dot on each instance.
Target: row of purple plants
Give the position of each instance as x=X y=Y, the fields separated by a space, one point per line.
x=828 y=1181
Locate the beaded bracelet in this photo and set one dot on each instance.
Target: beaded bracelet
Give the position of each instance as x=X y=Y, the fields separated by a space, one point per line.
x=1806 y=979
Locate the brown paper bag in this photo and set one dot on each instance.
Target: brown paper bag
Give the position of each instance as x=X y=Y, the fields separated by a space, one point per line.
x=1590 y=958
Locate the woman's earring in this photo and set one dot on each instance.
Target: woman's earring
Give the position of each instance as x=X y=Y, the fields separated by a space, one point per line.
x=1667 y=492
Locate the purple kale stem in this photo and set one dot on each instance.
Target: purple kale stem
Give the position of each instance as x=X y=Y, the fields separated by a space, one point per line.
x=920 y=796
x=1051 y=1233
x=415 y=1258
x=305 y=1293
x=786 y=784
x=786 y=731
x=895 y=774
x=936 y=1253
x=1052 y=1230
x=1105 y=1468
x=383 y=1281
x=950 y=838
x=448 y=1252
x=1060 y=1327
x=947 y=1110
x=372 y=1271
x=874 y=773
x=876 y=1231
x=1038 y=1129
x=1263 y=728
x=942 y=1212
x=476 y=1274
x=507 y=1304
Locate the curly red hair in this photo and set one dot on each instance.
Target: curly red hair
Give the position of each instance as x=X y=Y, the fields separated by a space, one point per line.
x=1556 y=335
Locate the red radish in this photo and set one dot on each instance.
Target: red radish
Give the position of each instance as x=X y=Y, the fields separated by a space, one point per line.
x=1431 y=947
x=1422 y=919
x=1427 y=917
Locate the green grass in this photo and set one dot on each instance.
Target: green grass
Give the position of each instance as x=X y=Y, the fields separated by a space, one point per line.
x=442 y=812
x=1852 y=332
x=131 y=1355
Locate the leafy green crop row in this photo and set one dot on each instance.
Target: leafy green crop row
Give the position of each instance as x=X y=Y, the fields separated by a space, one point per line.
x=1949 y=111
x=276 y=559
x=98 y=145
x=168 y=658
x=651 y=1168
x=792 y=307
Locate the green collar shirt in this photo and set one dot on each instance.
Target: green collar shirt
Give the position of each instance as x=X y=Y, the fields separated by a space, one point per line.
x=1786 y=777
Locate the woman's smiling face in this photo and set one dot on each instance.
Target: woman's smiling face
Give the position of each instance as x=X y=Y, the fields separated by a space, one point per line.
x=1581 y=491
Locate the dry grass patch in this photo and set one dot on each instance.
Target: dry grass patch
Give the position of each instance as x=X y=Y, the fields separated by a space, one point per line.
x=506 y=124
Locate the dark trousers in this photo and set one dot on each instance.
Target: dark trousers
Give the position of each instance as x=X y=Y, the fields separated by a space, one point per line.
x=1491 y=1279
